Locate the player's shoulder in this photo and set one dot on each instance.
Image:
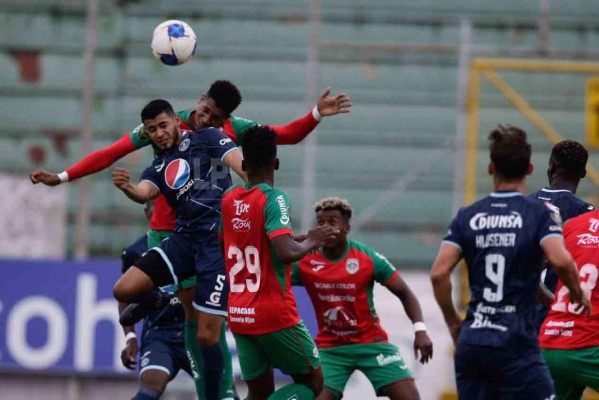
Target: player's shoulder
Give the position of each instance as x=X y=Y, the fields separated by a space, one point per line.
x=360 y=247
x=186 y=116
x=230 y=191
x=583 y=219
x=240 y=124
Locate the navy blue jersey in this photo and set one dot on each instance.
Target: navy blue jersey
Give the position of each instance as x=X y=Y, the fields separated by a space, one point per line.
x=500 y=239
x=569 y=206
x=166 y=322
x=193 y=178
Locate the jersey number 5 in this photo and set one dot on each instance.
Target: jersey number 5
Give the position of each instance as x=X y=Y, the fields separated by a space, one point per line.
x=588 y=279
x=249 y=258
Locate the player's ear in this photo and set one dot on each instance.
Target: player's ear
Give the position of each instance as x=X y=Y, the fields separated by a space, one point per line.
x=347 y=228
x=243 y=168
x=276 y=164
x=530 y=169
x=491 y=168
x=584 y=173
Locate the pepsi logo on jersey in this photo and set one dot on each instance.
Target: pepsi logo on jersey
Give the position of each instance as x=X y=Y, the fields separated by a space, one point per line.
x=177 y=173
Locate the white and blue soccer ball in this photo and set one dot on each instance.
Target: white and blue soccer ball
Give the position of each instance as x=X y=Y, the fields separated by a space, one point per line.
x=174 y=42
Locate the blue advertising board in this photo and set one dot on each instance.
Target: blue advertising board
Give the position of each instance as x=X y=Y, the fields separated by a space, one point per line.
x=60 y=316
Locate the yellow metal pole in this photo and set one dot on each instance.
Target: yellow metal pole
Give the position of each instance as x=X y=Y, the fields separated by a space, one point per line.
x=522 y=105
x=532 y=65
x=472 y=134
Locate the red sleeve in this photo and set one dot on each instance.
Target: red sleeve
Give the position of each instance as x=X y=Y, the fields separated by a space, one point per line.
x=295 y=131
x=101 y=159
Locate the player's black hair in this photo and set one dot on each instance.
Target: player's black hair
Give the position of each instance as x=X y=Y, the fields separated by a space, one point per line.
x=334 y=203
x=510 y=152
x=259 y=147
x=225 y=94
x=155 y=108
x=570 y=158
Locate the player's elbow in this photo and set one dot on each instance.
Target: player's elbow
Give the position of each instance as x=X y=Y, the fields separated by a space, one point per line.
x=439 y=276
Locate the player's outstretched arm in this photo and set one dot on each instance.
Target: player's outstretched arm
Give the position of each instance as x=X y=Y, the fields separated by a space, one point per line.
x=412 y=307
x=558 y=257
x=445 y=262
x=327 y=105
x=140 y=193
x=90 y=164
x=289 y=250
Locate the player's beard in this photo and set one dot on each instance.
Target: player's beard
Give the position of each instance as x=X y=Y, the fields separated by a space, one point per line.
x=171 y=142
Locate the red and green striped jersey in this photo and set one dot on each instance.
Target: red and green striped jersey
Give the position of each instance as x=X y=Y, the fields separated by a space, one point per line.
x=341 y=292
x=260 y=297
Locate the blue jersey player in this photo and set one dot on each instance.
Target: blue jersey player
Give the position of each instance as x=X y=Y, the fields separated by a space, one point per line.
x=567 y=166
x=162 y=342
x=503 y=239
x=190 y=173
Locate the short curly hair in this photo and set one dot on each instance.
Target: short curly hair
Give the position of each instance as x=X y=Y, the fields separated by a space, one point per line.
x=225 y=94
x=570 y=157
x=334 y=203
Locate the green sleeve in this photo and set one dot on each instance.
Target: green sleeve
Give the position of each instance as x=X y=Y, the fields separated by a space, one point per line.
x=383 y=269
x=240 y=126
x=277 y=213
x=139 y=137
x=185 y=116
x=296 y=278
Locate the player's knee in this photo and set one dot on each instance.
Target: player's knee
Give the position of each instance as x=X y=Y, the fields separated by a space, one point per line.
x=208 y=337
x=154 y=381
x=120 y=291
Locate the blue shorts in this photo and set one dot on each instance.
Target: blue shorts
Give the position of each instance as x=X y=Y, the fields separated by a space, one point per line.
x=490 y=373
x=198 y=255
x=134 y=252
x=164 y=355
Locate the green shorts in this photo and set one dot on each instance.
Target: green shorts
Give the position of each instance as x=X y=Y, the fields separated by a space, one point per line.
x=291 y=350
x=380 y=362
x=154 y=239
x=573 y=370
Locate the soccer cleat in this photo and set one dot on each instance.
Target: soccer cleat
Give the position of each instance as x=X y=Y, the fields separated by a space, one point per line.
x=152 y=301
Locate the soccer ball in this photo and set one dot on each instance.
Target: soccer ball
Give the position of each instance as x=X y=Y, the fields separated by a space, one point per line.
x=174 y=42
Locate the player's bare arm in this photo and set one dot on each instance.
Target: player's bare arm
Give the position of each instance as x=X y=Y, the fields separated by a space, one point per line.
x=445 y=262
x=288 y=250
x=129 y=353
x=140 y=193
x=332 y=105
x=45 y=177
x=422 y=342
x=233 y=160
x=560 y=259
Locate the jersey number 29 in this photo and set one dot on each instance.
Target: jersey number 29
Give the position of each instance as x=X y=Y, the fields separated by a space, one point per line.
x=249 y=258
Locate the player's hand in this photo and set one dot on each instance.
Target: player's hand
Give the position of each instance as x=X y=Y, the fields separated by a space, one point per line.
x=120 y=177
x=322 y=234
x=454 y=330
x=129 y=354
x=332 y=105
x=45 y=177
x=583 y=304
x=423 y=344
